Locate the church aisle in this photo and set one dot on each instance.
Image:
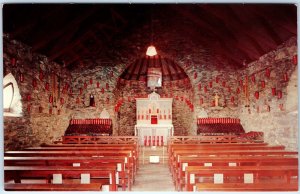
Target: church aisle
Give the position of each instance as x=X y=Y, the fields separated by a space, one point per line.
x=153 y=177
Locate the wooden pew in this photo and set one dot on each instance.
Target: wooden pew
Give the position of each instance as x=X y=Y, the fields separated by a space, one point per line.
x=90 y=153
x=226 y=152
x=17 y=173
x=246 y=187
x=179 y=174
x=52 y=187
x=175 y=147
x=194 y=172
x=119 y=162
x=83 y=147
x=94 y=153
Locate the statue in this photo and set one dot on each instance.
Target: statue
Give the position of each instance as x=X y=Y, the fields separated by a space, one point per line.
x=216 y=100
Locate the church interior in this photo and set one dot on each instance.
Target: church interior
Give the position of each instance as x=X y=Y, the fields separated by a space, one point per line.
x=150 y=97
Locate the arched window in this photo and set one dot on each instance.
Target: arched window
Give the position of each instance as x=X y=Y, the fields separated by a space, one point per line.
x=12 y=104
x=8 y=94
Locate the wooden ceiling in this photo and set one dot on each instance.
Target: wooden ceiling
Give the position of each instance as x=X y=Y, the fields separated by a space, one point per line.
x=70 y=33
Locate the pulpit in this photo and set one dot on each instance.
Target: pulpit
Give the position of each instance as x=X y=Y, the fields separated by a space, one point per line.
x=154 y=117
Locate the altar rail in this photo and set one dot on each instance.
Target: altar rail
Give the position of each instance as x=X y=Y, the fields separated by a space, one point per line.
x=100 y=140
x=215 y=139
x=217 y=120
x=89 y=127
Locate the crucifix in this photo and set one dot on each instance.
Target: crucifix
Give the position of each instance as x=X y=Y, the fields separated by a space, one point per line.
x=217 y=100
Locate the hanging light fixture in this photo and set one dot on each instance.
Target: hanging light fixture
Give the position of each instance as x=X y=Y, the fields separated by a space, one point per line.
x=151 y=51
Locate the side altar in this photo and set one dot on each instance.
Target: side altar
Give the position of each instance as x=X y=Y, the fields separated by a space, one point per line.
x=154 y=118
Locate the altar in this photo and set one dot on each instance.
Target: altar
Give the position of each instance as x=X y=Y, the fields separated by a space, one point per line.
x=154 y=117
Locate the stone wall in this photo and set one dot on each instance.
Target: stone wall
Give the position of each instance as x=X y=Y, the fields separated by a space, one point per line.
x=35 y=124
x=276 y=116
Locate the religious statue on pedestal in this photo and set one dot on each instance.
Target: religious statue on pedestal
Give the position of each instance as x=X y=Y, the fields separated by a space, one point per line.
x=216 y=100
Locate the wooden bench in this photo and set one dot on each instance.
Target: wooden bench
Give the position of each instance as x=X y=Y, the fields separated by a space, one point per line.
x=76 y=161
x=179 y=173
x=126 y=154
x=196 y=149
x=221 y=153
x=52 y=187
x=246 y=187
x=193 y=173
x=92 y=153
x=17 y=173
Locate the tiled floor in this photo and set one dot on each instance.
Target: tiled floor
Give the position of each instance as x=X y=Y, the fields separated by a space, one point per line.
x=153 y=177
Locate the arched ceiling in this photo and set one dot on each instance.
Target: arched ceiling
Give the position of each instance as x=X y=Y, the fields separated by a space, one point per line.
x=138 y=69
x=71 y=33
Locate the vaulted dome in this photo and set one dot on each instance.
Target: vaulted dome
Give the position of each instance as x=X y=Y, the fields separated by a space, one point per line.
x=171 y=71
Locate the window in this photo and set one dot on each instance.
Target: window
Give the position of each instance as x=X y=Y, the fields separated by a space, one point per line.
x=8 y=94
x=12 y=104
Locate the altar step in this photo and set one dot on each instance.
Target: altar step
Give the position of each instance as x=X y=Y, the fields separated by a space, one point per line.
x=156 y=151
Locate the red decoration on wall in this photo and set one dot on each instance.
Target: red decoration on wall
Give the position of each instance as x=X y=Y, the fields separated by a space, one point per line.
x=295 y=59
x=210 y=84
x=263 y=84
x=91 y=81
x=199 y=87
x=285 y=77
x=256 y=94
x=201 y=101
x=41 y=75
x=34 y=83
x=107 y=86
x=77 y=100
x=102 y=90
x=232 y=99
x=205 y=89
x=217 y=79
x=80 y=91
x=50 y=111
x=47 y=86
x=253 y=78
x=28 y=97
x=62 y=101
x=85 y=85
x=241 y=82
x=268 y=72
x=223 y=83
x=71 y=91
x=229 y=89
x=279 y=94
x=107 y=100
x=213 y=103
x=28 y=107
x=21 y=77
x=273 y=91
x=98 y=85
x=50 y=99
x=238 y=90
x=13 y=62
x=195 y=75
